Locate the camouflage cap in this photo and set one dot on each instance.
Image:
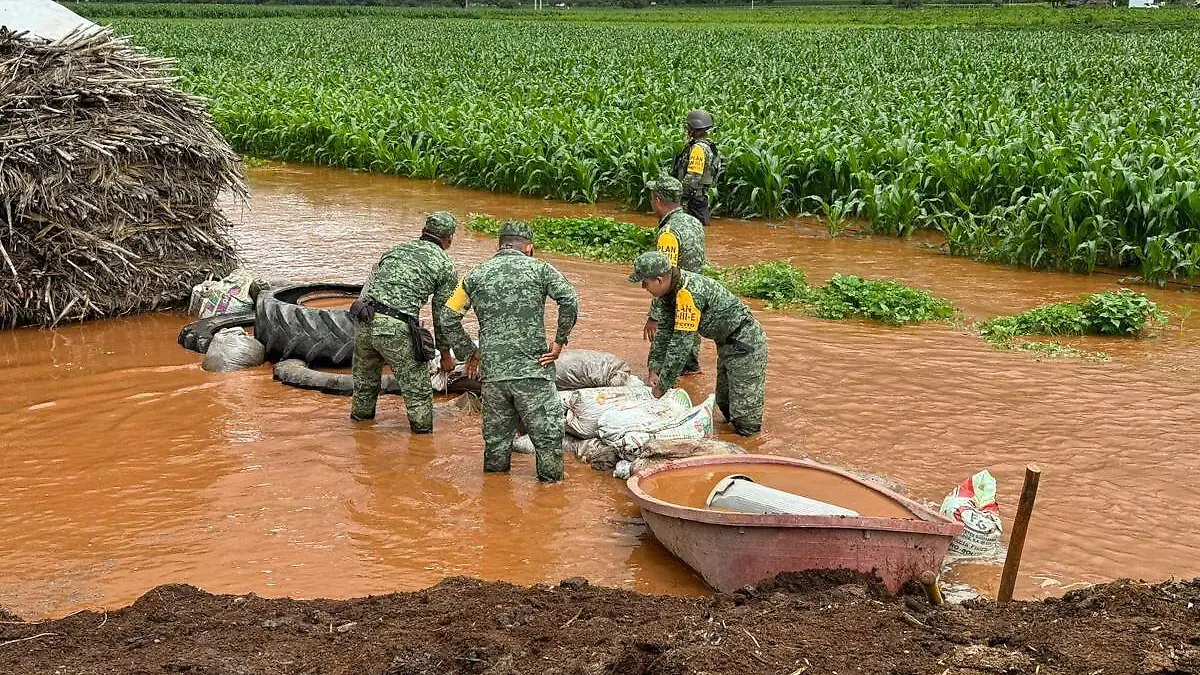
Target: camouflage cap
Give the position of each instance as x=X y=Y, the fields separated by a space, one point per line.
x=668 y=188
x=441 y=224
x=516 y=228
x=650 y=264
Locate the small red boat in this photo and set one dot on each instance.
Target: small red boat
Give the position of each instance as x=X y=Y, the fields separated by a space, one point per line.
x=894 y=537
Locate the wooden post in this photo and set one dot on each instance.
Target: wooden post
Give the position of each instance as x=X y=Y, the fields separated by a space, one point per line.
x=1016 y=542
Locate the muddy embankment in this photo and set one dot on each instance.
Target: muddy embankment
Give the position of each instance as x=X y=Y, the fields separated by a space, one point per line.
x=813 y=623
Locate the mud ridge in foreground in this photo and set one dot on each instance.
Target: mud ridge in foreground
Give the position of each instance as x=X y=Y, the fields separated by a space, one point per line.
x=811 y=623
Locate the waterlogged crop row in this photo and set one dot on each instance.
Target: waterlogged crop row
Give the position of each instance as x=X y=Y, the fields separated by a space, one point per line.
x=1058 y=149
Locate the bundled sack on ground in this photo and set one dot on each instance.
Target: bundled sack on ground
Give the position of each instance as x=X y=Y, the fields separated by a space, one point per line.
x=656 y=452
x=630 y=425
x=231 y=295
x=232 y=349
x=109 y=178
x=586 y=368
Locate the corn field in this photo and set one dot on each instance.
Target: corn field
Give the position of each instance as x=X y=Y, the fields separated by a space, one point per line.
x=1063 y=149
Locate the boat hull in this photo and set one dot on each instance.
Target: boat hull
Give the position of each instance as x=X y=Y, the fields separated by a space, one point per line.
x=733 y=550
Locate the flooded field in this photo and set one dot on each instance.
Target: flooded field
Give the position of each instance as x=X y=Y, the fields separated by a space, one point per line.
x=127 y=466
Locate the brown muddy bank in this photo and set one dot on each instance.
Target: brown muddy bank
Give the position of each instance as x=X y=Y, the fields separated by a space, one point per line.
x=813 y=623
x=127 y=467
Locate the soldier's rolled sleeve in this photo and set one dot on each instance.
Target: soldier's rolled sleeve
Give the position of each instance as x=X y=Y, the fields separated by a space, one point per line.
x=568 y=304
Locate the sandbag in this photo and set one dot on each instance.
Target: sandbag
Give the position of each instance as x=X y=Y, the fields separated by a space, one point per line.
x=585 y=406
x=637 y=415
x=523 y=445
x=656 y=452
x=695 y=423
x=453 y=381
x=593 y=452
x=233 y=294
x=586 y=368
x=232 y=349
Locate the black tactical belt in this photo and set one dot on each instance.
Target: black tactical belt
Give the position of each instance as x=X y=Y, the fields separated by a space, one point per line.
x=420 y=352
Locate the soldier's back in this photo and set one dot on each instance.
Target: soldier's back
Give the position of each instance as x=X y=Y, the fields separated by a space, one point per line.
x=408 y=274
x=508 y=293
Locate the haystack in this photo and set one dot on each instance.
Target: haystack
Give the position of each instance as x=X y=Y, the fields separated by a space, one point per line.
x=109 y=180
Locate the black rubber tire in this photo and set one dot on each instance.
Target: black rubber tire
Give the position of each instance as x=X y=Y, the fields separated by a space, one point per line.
x=296 y=373
x=197 y=335
x=292 y=330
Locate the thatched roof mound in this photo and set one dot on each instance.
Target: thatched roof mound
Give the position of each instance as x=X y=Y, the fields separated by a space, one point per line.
x=109 y=178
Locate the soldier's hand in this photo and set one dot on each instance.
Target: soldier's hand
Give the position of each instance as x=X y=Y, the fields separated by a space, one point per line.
x=448 y=362
x=649 y=329
x=473 y=365
x=550 y=356
x=653 y=382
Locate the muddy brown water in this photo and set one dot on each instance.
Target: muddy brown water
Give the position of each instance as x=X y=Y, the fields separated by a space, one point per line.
x=691 y=486
x=126 y=466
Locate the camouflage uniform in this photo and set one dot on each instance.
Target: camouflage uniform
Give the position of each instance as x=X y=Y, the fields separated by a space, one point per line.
x=696 y=166
x=681 y=238
x=697 y=304
x=508 y=294
x=404 y=280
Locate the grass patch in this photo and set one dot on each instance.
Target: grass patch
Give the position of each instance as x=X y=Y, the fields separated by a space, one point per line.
x=784 y=285
x=597 y=238
x=1057 y=350
x=882 y=300
x=1122 y=313
x=778 y=282
x=252 y=162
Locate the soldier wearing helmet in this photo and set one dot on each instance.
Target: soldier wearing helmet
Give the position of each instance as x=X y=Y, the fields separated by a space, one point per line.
x=697 y=165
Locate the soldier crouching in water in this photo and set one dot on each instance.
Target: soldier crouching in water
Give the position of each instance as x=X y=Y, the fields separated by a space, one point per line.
x=693 y=303
x=508 y=293
x=386 y=328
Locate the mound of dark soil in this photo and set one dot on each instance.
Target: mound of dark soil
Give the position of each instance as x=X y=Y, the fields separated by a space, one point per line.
x=813 y=623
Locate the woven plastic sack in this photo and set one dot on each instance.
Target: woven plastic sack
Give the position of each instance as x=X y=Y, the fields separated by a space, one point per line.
x=593 y=452
x=658 y=451
x=695 y=423
x=232 y=349
x=585 y=406
x=646 y=416
x=973 y=503
x=586 y=368
x=233 y=294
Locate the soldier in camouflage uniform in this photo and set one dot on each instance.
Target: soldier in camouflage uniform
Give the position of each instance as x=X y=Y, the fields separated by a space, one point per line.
x=508 y=294
x=693 y=303
x=681 y=238
x=386 y=328
x=697 y=165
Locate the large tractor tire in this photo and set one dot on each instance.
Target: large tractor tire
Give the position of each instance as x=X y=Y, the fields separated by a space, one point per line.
x=289 y=329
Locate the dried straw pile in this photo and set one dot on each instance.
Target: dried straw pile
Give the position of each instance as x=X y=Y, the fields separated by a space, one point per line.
x=109 y=178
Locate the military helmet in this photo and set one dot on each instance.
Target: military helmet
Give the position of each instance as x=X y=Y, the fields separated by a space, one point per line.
x=516 y=228
x=441 y=224
x=699 y=120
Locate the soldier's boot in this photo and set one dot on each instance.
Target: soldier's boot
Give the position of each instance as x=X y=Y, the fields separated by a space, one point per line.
x=367 y=368
x=499 y=427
